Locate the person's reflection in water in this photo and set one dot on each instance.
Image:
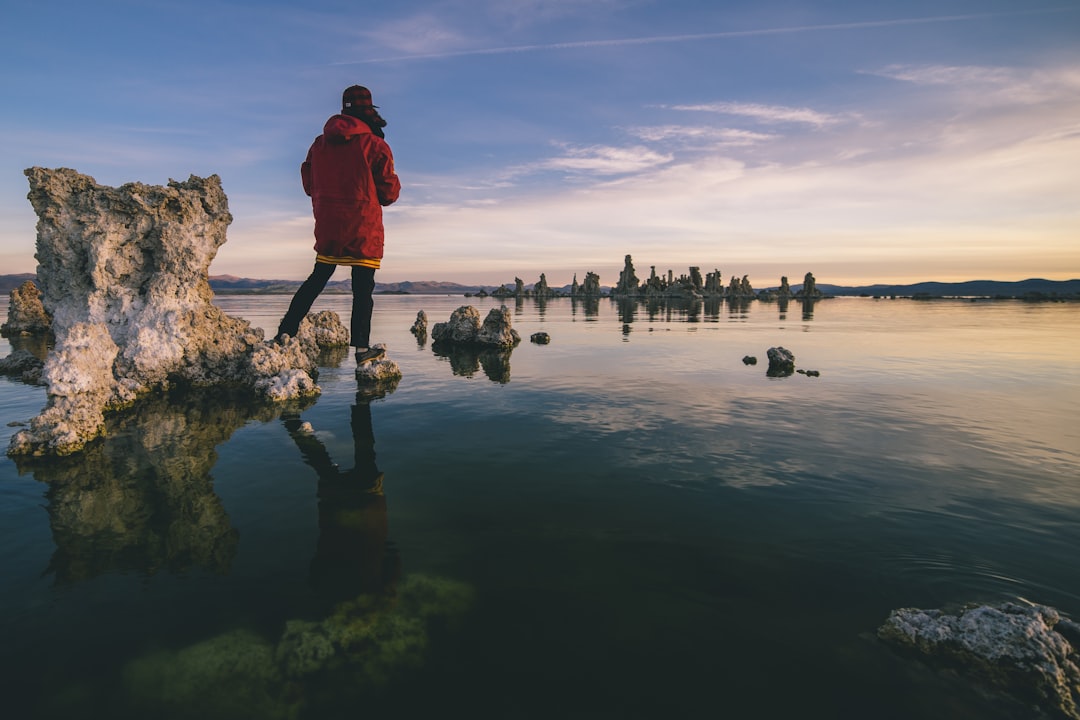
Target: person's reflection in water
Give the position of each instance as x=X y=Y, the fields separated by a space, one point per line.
x=353 y=555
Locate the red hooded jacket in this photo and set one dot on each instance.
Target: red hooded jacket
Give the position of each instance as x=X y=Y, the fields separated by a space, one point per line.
x=349 y=174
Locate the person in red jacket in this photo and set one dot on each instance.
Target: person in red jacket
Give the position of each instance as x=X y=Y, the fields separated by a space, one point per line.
x=349 y=174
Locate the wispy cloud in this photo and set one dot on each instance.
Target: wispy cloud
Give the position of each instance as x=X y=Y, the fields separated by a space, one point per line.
x=606 y=160
x=766 y=113
x=981 y=86
x=528 y=12
x=434 y=54
x=710 y=136
x=416 y=35
x=947 y=75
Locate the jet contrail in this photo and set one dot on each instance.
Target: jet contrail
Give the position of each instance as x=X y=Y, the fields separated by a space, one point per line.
x=695 y=36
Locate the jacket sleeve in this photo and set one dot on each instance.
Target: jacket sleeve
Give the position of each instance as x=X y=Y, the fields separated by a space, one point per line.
x=387 y=185
x=305 y=173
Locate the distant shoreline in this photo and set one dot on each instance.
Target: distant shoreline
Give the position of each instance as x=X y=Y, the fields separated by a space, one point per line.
x=1031 y=289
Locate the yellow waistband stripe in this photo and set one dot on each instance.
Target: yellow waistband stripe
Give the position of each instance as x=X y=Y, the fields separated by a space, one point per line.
x=362 y=262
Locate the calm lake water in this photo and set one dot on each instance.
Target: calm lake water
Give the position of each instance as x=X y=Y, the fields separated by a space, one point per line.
x=628 y=522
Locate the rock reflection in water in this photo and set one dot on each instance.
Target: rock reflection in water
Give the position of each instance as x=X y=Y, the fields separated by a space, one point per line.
x=38 y=345
x=142 y=498
x=589 y=305
x=466 y=360
x=371 y=624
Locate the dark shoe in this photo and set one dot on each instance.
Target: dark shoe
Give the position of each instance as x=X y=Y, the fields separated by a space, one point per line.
x=364 y=356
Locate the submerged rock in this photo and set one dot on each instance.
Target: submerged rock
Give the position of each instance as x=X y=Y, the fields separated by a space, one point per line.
x=540 y=338
x=232 y=675
x=361 y=645
x=26 y=314
x=1021 y=650
x=124 y=273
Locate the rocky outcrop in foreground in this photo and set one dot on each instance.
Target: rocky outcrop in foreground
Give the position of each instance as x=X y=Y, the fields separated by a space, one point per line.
x=124 y=274
x=1026 y=651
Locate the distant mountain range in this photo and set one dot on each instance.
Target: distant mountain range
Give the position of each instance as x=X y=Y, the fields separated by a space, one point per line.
x=971 y=288
x=231 y=285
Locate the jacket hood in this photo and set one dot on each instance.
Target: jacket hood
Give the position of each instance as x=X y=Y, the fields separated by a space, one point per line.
x=342 y=128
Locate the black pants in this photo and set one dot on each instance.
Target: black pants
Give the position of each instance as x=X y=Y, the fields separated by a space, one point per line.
x=363 y=284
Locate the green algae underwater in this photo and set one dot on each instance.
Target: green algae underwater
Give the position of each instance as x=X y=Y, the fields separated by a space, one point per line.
x=627 y=522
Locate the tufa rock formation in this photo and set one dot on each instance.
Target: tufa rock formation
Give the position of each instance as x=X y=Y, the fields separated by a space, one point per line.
x=628 y=281
x=419 y=326
x=541 y=289
x=26 y=314
x=591 y=288
x=781 y=362
x=464 y=327
x=124 y=273
x=383 y=372
x=782 y=293
x=1025 y=651
x=809 y=289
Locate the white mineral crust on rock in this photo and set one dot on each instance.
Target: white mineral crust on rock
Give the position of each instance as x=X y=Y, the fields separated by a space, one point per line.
x=1018 y=648
x=383 y=370
x=124 y=273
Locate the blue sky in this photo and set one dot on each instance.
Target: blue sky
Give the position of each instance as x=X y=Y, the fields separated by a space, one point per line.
x=862 y=141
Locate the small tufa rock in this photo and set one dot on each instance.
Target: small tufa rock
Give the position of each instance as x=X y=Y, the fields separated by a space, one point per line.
x=749 y=360
x=497 y=330
x=383 y=370
x=540 y=338
x=462 y=327
x=326 y=329
x=419 y=327
x=781 y=362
